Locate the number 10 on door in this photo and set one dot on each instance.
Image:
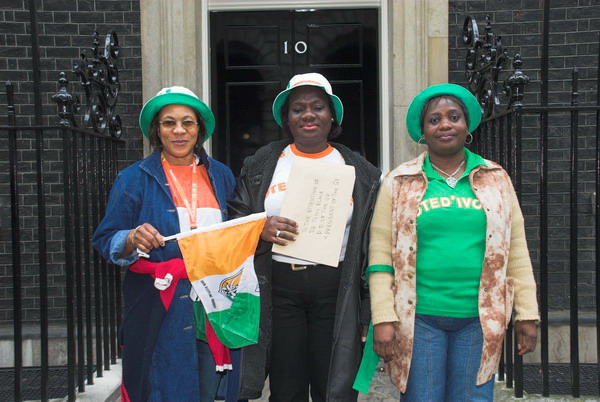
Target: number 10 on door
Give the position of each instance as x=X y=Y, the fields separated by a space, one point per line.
x=301 y=47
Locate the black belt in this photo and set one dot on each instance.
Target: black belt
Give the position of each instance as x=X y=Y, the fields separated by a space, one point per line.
x=300 y=267
x=295 y=267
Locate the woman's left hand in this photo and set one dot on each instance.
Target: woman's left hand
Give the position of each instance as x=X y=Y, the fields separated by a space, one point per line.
x=526 y=336
x=279 y=230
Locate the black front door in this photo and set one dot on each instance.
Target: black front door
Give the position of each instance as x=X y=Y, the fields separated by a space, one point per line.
x=253 y=56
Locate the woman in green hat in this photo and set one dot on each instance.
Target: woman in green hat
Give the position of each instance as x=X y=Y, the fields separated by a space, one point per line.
x=177 y=188
x=444 y=274
x=310 y=342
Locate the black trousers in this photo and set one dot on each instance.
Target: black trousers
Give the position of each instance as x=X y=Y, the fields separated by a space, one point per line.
x=303 y=316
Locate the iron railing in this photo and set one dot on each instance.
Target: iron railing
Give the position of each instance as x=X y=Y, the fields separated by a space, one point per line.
x=74 y=166
x=500 y=137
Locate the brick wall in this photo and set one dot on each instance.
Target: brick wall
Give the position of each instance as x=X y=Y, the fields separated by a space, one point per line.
x=574 y=26
x=66 y=29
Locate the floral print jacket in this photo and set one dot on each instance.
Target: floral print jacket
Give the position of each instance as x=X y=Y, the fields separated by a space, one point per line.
x=506 y=270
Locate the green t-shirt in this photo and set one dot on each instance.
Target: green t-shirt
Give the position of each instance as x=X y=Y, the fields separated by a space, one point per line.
x=451 y=227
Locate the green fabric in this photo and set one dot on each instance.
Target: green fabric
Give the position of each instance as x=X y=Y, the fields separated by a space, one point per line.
x=413 y=116
x=370 y=359
x=379 y=268
x=368 y=365
x=200 y=318
x=232 y=331
x=451 y=229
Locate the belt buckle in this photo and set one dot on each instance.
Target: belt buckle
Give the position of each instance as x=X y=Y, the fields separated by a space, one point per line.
x=298 y=267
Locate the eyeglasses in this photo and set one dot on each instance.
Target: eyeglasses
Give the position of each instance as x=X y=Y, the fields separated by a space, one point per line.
x=186 y=124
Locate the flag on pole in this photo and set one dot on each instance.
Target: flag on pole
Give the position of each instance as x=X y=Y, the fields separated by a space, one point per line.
x=219 y=261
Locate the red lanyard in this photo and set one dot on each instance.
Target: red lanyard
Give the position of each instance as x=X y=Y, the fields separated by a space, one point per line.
x=193 y=207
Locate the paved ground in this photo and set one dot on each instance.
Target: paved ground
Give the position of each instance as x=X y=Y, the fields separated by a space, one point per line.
x=382 y=390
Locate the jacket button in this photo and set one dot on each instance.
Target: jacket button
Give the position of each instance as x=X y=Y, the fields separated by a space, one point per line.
x=485 y=289
x=488 y=263
x=409 y=276
x=411 y=221
x=411 y=248
x=410 y=302
x=490 y=236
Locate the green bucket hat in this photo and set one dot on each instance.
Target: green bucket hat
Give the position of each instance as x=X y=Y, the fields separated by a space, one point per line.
x=176 y=96
x=413 y=117
x=311 y=79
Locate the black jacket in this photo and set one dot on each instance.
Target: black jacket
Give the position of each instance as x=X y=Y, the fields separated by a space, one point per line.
x=352 y=304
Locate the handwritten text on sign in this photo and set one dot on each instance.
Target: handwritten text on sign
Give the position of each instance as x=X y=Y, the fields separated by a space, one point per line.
x=317 y=197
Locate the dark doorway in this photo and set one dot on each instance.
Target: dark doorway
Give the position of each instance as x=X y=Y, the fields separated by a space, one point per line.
x=254 y=54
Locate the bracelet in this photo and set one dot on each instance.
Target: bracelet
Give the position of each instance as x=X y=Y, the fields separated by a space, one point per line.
x=133 y=235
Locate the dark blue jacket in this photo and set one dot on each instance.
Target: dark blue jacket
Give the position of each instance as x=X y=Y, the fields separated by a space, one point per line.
x=141 y=194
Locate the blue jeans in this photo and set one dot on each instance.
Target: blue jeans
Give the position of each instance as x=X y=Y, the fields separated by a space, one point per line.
x=445 y=361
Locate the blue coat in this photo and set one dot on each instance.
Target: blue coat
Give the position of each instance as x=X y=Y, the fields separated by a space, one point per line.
x=141 y=194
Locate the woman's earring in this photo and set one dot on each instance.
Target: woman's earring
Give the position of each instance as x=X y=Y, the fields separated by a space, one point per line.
x=470 y=140
x=422 y=145
x=332 y=119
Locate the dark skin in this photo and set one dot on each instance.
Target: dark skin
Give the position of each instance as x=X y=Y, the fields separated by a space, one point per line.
x=445 y=129
x=445 y=132
x=309 y=120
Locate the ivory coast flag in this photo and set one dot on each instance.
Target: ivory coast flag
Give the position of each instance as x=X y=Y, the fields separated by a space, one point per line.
x=219 y=260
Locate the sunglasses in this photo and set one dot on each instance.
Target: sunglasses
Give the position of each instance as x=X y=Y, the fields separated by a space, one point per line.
x=171 y=124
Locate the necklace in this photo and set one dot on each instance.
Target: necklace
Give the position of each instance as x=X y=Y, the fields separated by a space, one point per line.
x=192 y=207
x=450 y=180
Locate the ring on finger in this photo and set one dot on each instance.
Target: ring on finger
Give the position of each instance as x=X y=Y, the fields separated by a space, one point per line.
x=278 y=233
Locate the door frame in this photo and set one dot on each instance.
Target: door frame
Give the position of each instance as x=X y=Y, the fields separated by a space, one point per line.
x=385 y=142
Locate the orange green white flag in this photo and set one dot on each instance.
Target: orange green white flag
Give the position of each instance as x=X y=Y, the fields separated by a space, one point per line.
x=219 y=261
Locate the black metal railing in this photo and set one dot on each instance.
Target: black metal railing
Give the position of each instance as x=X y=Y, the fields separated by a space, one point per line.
x=70 y=169
x=92 y=299
x=501 y=137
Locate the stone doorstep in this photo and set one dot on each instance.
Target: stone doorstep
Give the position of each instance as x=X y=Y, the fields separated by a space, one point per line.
x=105 y=389
x=57 y=344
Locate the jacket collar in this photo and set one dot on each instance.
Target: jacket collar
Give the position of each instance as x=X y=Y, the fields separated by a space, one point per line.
x=153 y=166
x=415 y=166
x=411 y=168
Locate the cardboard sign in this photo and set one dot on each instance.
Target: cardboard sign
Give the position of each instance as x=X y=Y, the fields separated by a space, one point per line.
x=317 y=197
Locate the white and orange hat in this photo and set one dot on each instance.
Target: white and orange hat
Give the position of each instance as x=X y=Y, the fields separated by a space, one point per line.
x=310 y=79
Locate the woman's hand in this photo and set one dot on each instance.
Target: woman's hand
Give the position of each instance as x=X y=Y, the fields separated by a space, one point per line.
x=145 y=237
x=278 y=229
x=384 y=336
x=526 y=336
